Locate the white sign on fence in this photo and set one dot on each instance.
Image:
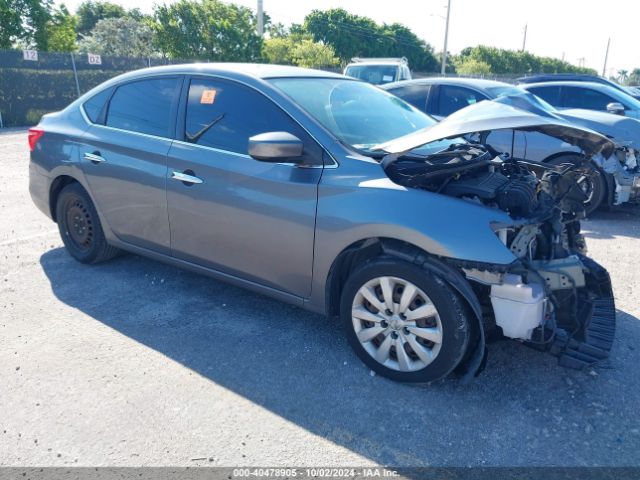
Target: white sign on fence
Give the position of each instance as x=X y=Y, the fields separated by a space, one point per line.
x=94 y=59
x=31 y=55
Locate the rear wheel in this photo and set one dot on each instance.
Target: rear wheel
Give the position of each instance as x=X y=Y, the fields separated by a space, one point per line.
x=592 y=184
x=80 y=227
x=403 y=323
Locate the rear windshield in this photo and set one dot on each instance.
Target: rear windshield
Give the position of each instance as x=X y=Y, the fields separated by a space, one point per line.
x=375 y=74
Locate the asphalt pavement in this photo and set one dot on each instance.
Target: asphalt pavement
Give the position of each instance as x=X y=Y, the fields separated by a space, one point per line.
x=136 y=363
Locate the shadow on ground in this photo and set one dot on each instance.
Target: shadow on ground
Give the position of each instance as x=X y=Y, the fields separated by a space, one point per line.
x=524 y=410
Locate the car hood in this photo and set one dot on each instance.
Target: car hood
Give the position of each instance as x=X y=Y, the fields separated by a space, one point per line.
x=503 y=113
x=622 y=130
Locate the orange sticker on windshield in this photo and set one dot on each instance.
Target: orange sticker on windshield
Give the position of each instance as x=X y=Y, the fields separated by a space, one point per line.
x=208 y=96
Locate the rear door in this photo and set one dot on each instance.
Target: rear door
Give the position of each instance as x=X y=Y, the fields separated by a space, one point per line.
x=124 y=158
x=251 y=219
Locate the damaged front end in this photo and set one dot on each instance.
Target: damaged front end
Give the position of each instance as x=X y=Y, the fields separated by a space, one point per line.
x=624 y=168
x=552 y=297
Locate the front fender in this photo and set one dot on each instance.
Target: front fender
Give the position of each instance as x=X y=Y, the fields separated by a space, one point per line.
x=355 y=208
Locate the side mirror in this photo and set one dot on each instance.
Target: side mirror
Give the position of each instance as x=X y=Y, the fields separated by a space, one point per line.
x=275 y=147
x=615 y=108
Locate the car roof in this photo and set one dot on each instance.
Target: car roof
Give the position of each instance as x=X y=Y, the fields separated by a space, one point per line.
x=253 y=70
x=551 y=77
x=377 y=62
x=478 y=83
x=593 y=85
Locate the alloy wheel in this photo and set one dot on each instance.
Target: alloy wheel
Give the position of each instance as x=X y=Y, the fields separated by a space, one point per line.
x=397 y=323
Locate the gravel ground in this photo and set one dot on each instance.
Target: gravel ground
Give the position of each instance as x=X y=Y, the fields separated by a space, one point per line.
x=134 y=362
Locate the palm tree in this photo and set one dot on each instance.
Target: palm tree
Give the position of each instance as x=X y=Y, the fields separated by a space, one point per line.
x=623 y=76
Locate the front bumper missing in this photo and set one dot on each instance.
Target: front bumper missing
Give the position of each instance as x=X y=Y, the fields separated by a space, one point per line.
x=587 y=339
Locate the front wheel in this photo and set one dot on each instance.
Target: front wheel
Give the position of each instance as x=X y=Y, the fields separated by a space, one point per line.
x=593 y=184
x=404 y=323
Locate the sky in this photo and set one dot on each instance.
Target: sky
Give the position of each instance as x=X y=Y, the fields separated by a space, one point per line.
x=575 y=29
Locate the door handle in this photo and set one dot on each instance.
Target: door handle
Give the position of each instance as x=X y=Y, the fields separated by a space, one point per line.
x=94 y=157
x=187 y=177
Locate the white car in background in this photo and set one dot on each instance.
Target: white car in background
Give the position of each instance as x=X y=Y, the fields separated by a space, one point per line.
x=379 y=71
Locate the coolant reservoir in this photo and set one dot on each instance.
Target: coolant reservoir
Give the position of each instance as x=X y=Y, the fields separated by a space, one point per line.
x=518 y=307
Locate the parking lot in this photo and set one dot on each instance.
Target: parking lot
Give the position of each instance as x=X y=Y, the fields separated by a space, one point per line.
x=133 y=362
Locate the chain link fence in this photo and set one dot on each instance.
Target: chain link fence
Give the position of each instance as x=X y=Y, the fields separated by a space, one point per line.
x=51 y=81
x=31 y=88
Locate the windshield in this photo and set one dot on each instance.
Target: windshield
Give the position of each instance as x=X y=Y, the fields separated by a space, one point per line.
x=376 y=74
x=357 y=113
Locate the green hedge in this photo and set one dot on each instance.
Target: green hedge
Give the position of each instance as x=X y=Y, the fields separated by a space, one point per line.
x=25 y=95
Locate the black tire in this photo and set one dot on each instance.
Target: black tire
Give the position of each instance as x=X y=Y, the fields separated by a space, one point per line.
x=597 y=183
x=80 y=226
x=456 y=331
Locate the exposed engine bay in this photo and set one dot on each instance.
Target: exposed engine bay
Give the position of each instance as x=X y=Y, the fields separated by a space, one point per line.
x=552 y=297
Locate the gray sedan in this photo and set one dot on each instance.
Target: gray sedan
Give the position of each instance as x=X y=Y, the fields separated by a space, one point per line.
x=613 y=181
x=335 y=196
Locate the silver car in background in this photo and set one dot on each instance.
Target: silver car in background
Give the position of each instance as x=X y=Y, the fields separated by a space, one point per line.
x=613 y=181
x=378 y=71
x=333 y=195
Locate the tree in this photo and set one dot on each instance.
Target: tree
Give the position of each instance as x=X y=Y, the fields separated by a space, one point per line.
x=91 y=12
x=299 y=50
x=24 y=21
x=310 y=54
x=61 y=31
x=503 y=61
x=404 y=43
x=623 y=76
x=349 y=35
x=352 y=35
x=207 y=29
x=634 y=77
x=471 y=66
x=278 y=50
x=120 y=37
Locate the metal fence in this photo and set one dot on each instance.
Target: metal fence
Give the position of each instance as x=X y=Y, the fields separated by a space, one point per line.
x=50 y=81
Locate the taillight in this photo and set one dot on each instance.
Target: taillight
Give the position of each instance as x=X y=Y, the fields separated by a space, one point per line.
x=34 y=135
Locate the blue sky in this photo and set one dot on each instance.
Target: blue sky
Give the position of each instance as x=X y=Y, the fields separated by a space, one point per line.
x=577 y=29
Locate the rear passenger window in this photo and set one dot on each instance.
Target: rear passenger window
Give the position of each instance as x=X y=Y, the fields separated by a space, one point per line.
x=93 y=107
x=225 y=115
x=549 y=94
x=143 y=106
x=415 y=94
x=452 y=99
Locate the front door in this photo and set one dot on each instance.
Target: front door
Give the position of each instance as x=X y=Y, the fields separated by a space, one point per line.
x=251 y=219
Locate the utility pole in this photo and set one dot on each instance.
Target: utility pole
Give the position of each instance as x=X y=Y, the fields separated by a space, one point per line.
x=524 y=37
x=446 y=38
x=260 y=26
x=606 y=57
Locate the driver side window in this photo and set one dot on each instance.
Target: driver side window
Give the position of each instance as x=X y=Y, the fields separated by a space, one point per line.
x=224 y=115
x=586 y=98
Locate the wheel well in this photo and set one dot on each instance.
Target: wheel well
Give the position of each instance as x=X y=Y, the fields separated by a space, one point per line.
x=355 y=255
x=56 y=187
x=359 y=252
x=608 y=183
